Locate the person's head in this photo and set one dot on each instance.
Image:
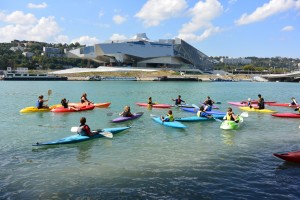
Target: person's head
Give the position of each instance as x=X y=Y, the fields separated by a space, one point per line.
x=208 y=97
x=293 y=98
x=63 y=100
x=41 y=97
x=229 y=110
x=127 y=108
x=170 y=112
x=259 y=95
x=249 y=99
x=201 y=108
x=179 y=96
x=150 y=98
x=84 y=94
x=82 y=120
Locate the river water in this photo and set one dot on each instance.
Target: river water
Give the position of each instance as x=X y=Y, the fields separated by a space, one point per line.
x=149 y=161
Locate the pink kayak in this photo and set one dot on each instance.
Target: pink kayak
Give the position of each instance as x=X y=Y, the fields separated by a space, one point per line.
x=282 y=104
x=289 y=156
x=78 y=109
x=287 y=115
x=98 y=105
x=155 y=105
x=240 y=103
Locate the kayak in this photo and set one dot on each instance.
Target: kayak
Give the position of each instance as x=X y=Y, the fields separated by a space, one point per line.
x=62 y=109
x=123 y=119
x=155 y=105
x=257 y=110
x=232 y=125
x=287 y=115
x=195 y=110
x=282 y=104
x=183 y=106
x=97 y=105
x=79 y=138
x=240 y=104
x=35 y=109
x=196 y=118
x=213 y=106
x=173 y=124
x=256 y=101
x=289 y=156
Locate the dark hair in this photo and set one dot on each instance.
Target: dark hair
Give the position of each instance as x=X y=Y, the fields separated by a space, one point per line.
x=259 y=95
x=82 y=120
x=41 y=96
x=170 y=112
x=230 y=109
x=201 y=108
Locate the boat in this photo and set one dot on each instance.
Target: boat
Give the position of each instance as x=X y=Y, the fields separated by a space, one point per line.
x=232 y=125
x=114 y=78
x=257 y=110
x=243 y=103
x=61 y=109
x=196 y=118
x=154 y=105
x=173 y=124
x=289 y=156
x=35 y=109
x=287 y=115
x=21 y=74
x=97 y=105
x=282 y=104
x=123 y=119
x=195 y=110
x=79 y=138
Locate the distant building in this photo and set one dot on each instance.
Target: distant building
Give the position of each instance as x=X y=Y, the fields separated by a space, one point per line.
x=52 y=52
x=28 y=54
x=141 y=52
x=17 y=48
x=243 y=61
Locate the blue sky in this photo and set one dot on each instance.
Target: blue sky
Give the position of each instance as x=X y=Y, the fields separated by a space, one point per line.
x=234 y=28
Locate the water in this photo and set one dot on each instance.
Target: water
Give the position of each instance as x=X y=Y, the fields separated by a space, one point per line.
x=149 y=161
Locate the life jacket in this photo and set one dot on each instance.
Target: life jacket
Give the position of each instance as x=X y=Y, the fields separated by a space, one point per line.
x=261 y=103
x=171 y=117
x=150 y=102
x=39 y=104
x=202 y=114
x=84 y=130
x=178 y=101
x=229 y=117
x=64 y=104
x=209 y=102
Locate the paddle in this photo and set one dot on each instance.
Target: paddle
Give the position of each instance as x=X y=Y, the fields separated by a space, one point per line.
x=195 y=106
x=49 y=93
x=105 y=134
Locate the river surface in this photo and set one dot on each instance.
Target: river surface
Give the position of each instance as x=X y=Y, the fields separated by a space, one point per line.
x=148 y=161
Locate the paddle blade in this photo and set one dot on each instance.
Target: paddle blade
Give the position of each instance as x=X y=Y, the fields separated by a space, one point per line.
x=195 y=106
x=151 y=115
x=244 y=114
x=218 y=120
x=107 y=134
x=49 y=92
x=74 y=129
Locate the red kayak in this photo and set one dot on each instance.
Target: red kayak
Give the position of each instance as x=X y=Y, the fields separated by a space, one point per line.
x=289 y=156
x=78 y=109
x=282 y=104
x=155 y=105
x=256 y=101
x=98 y=105
x=287 y=115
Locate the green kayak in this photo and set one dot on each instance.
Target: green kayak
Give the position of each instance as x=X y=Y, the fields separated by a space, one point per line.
x=232 y=125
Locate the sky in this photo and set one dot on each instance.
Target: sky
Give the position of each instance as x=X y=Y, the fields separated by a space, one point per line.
x=233 y=28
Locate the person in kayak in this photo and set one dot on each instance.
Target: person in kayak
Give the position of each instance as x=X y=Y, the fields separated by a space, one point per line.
x=150 y=103
x=40 y=102
x=202 y=113
x=294 y=102
x=84 y=129
x=249 y=104
x=65 y=104
x=84 y=99
x=230 y=116
x=126 y=112
x=261 y=102
x=208 y=104
x=168 y=118
x=178 y=100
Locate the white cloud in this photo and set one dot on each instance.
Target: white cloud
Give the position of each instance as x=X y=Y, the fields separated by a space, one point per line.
x=61 y=39
x=116 y=36
x=27 y=27
x=232 y=1
x=37 y=6
x=18 y=17
x=202 y=15
x=288 y=28
x=267 y=10
x=87 y=40
x=118 y=19
x=101 y=13
x=155 y=11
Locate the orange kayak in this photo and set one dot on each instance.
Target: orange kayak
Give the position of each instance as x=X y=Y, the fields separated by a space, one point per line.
x=98 y=105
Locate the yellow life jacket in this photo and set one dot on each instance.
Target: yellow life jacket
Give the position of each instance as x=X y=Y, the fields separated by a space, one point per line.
x=199 y=113
x=229 y=117
x=171 y=117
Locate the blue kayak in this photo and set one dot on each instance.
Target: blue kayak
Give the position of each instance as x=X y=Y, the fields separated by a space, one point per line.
x=79 y=138
x=196 y=118
x=174 y=124
x=195 y=110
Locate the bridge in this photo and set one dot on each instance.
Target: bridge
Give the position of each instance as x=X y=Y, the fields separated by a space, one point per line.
x=287 y=77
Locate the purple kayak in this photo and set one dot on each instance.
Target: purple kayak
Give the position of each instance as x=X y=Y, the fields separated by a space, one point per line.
x=195 y=110
x=213 y=106
x=123 y=119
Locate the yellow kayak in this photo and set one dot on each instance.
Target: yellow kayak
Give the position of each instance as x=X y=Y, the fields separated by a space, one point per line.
x=35 y=109
x=257 y=110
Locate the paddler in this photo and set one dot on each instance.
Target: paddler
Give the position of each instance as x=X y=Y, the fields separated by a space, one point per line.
x=84 y=129
x=261 y=102
x=84 y=99
x=294 y=102
x=126 y=112
x=208 y=104
x=40 y=102
x=230 y=116
x=178 y=100
x=168 y=118
x=65 y=104
x=202 y=113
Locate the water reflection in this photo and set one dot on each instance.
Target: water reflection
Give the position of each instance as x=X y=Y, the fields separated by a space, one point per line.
x=228 y=137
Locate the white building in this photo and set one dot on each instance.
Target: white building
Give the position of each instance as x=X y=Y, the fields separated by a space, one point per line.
x=243 y=61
